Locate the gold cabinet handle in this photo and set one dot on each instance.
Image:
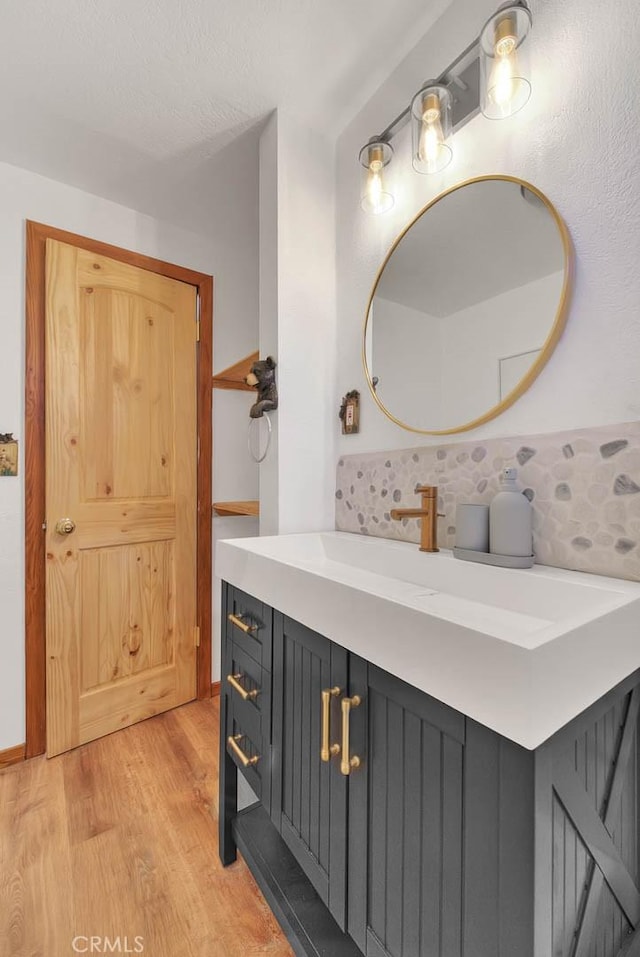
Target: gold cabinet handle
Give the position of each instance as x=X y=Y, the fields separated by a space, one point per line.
x=327 y=750
x=234 y=681
x=233 y=742
x=65 y=526
x=242 y=625
x=347 y=764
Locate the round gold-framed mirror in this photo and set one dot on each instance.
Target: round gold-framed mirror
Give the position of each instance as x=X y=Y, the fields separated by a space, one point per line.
x=467 y=306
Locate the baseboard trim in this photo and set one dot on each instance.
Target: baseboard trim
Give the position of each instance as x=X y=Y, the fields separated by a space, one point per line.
x=215 y=689
x=12 y=755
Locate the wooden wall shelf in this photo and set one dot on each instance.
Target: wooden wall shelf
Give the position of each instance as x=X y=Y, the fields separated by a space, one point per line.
x=234 y=376
x=236 y=508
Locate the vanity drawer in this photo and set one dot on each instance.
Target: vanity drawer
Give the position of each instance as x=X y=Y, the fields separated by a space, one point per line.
x=248 y=686
x=248 y=625
x=249 y=752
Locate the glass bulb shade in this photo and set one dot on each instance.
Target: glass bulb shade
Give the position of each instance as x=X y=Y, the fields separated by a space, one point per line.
x=375 y=196
x=431 y=129
x=505 y=76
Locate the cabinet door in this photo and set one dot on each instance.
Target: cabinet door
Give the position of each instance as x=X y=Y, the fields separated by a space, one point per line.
x=405 y=820
x=309 y=796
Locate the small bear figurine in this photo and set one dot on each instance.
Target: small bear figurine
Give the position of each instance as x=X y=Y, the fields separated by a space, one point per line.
x=263 y=378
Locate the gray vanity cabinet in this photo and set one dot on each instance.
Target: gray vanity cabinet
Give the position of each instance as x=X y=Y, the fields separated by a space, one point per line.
x=445 y=839
x=308 y=795
x=405 y=819
x=440 y=828
x=401 y=850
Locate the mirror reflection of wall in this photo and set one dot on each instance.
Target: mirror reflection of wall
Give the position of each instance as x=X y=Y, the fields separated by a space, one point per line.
x=464 y=304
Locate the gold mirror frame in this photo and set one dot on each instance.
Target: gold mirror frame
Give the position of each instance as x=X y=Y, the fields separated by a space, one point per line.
x=549 y=343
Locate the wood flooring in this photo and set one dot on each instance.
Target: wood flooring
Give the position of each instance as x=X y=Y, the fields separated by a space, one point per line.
x=118 y=838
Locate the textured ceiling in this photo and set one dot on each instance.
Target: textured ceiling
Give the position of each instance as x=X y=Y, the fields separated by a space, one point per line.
x=106 y=93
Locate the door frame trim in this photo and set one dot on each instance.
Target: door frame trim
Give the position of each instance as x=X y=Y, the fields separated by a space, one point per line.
x=35 y=481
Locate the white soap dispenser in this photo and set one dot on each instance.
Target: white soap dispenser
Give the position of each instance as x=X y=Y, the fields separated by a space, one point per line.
x=510 y=519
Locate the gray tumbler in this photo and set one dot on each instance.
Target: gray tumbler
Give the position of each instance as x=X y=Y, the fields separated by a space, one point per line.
x=472 y=527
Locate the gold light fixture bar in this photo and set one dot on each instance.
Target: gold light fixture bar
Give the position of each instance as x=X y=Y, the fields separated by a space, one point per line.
x=467 y=81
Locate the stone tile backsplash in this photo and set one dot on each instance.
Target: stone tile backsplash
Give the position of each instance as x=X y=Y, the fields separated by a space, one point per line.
x=584 y=486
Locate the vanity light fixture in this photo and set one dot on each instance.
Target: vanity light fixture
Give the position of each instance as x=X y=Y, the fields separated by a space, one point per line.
x=431 y=128
x=374 y=157
x=504 y=62
x=492 y=75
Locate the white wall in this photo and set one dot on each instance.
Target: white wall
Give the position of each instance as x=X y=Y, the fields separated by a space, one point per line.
x=230 y=253
x=235 y=476
x=297 y=323
x=270 y=468
x=577 y=141
x=234 y=232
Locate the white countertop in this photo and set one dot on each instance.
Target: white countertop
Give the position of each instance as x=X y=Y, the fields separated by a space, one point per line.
x=522 y=651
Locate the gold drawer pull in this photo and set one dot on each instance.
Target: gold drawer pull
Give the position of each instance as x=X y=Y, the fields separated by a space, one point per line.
x=328 y=750
x=347 y=764
x=234 y=681
x=242 y=625
x=244 y=760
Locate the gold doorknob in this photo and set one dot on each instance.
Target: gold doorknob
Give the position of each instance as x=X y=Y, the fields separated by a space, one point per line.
x=65 y=526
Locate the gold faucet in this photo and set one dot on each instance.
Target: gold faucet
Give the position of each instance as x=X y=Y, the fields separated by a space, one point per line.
x=429 y=515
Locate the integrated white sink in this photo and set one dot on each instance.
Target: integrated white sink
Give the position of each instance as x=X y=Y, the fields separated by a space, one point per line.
x=522 y=651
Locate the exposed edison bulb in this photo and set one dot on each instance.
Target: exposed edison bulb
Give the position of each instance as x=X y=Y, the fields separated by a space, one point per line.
x=374 y=186
x=504 y=68
x=503 y=81
x=431 y=135
x=431 y=129
x=375 y=198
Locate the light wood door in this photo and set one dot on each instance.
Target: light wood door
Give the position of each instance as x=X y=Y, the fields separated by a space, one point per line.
x=121 y=457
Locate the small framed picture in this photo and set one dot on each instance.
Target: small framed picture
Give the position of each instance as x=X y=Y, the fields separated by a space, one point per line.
x=8 y=455
x=350 y=413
